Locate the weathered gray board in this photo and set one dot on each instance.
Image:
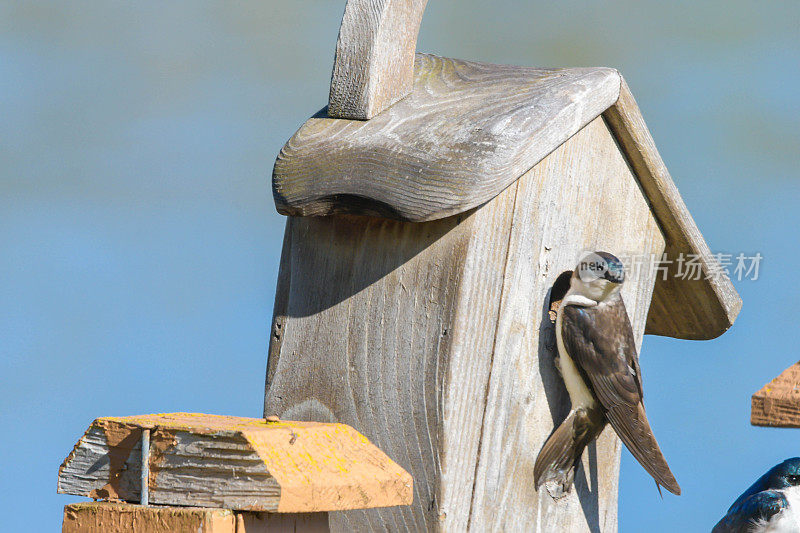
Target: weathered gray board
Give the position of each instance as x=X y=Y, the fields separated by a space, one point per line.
x=433 y=340
x=374 y=63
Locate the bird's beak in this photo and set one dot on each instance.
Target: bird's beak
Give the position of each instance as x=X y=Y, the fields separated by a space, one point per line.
x=614 y=277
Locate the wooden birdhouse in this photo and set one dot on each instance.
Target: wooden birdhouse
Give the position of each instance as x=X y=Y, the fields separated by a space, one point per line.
x=431 y=206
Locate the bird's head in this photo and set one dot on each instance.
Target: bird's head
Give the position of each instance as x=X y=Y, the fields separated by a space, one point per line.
x=598 y=276
x=780 y=476
x=786 y=474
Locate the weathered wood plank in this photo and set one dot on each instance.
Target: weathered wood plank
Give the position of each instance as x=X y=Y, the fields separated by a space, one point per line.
x=374 y=64
x=603 y=210
x=403 y=329
x=374 y=309
x=684 y=308
x=777 y=403
x=467 y=132
x=108 y=517
x=234 y=463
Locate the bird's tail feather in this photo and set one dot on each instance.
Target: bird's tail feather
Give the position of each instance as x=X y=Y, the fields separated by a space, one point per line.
x=640 y=441
x=555 y=464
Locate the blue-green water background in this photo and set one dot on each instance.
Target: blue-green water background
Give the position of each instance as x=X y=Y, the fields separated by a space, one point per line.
x=139 y=243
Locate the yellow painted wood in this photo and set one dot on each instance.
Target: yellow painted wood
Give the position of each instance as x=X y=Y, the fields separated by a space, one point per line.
x=236 y=463
x=125 y=518
x=777 y=403
x=106 y=517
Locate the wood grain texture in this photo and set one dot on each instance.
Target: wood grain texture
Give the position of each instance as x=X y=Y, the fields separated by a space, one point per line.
x=374 y=63
x=368 y=324
x=282 y=522
x=468 y=131
x=681 y=308
x=235 y=463
x=777 y=403
x=605 y=209
x=108 y=517
x=433 y=340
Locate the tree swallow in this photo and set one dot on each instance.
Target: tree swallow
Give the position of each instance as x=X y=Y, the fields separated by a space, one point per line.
x=598 y=362
x=770 y=505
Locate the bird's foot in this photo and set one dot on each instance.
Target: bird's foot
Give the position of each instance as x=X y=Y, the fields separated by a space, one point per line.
x=559 y=484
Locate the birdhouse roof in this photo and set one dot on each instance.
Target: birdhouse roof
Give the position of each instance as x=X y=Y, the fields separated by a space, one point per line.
x=466 y=132
x=777 y=403
x=234 y=463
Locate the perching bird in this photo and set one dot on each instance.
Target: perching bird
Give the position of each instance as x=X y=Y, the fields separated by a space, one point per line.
x=598 y=362
x=770 y=505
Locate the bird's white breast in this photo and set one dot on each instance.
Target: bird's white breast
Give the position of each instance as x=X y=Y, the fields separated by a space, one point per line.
x=788 y=520
x=579 y=393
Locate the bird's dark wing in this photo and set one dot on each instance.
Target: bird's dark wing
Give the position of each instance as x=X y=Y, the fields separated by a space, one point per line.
x=758 y=508
x=600 y=342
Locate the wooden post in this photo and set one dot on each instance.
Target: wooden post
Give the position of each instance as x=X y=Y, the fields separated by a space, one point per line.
x=374 y=65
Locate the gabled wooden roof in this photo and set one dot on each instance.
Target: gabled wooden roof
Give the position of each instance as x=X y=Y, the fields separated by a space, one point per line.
x=445 y=136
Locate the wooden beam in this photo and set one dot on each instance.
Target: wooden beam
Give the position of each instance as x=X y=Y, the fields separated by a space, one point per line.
x=777 y=404
x=234 y=463
x=374 y=64
x=108 y=517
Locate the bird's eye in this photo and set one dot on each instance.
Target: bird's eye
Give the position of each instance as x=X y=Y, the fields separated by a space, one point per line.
x=793 y=479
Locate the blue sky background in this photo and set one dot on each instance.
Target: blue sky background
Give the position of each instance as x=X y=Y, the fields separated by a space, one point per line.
x=139 y=243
